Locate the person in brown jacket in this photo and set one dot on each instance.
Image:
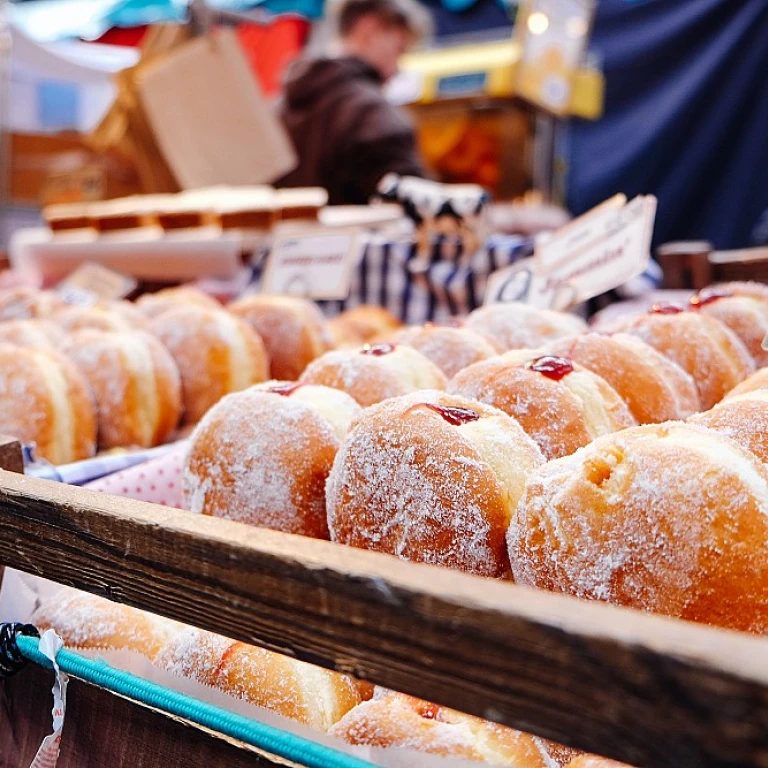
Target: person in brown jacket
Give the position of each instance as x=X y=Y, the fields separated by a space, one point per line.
x=346 y=134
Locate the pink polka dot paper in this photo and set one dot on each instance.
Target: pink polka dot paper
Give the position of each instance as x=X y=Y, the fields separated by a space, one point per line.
x=157 y=481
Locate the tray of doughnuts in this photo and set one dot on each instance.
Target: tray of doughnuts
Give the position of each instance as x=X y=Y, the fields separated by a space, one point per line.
x=559 y=532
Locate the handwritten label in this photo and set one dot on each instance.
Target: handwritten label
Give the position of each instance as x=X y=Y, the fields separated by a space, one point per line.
x=601 y=251
x=314 y=262
x=91 y=282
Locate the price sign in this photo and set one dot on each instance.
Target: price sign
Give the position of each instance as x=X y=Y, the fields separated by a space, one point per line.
x=91 y=282
x=314 y=262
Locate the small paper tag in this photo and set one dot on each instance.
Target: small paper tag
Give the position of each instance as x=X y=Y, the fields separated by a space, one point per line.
x=91 y=282
x=48 y=754
x=313 y=262
x=594 y=254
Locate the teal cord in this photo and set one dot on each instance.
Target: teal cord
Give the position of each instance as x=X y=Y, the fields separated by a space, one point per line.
x=266 y=737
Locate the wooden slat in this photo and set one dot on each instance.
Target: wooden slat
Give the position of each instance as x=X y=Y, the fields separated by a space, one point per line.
x=643 y=689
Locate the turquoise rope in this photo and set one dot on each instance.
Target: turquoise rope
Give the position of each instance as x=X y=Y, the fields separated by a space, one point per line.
x=266 y=737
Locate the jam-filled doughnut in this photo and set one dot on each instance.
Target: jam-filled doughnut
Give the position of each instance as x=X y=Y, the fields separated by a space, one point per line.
x=216 y=353
x=431 y=478
x=112 y=316
x=31 y=333
x=749 y=288
x=262 y=456
x=561 y=405
x=701 y=345
x=153 y=305
x=758 y=380
x=654 y=388
x=375 y=372
x=293 y=330
x=396 y=720
x=25 y=303
x=669 y=518
x=362 y=324
x=743 y=418
x=45 y=400
x=450 y=349
x=521 y=326
x=135 y=382
x=746 y=316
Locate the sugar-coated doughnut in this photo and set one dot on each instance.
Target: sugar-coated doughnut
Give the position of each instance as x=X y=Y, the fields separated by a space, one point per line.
x=362 y=324
x=758 y=380
x=431 y=478
x=701 y=345
x=743 y=418
x=135 y=382
x=450 y=349
x=25 y=303
x=31 y=333
x=86 y=621
x=374 y=372
x=294 y=331
x=302 y=692
x=153 y=305
x=593 y=761
x=744 y=288
x=101 y=317
x=654 y=388
x=746 y=316
x=216 y=353
x=669 y=518
x=561 y=405
x=397 y=720
x=262 y=456
x=45 y=400
x=521 y=326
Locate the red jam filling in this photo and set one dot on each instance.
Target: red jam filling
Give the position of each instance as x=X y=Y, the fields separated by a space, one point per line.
x=286 y=389
x=377 y=350
x=429 y=711
x=705 y=297
x=666 y=309
x=555 y=368
x=454 y=416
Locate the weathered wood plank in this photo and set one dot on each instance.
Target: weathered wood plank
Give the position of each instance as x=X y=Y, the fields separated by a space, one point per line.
x=640 y=688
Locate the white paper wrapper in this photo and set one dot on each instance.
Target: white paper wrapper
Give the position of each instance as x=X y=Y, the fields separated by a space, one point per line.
x=21 y=594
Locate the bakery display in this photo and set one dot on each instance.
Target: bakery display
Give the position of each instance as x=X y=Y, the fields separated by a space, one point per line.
x=431 y=478
x=31 y=333
x=24 y=303
x=45 y=400
x=669 y=518
x=135 y=383
x=154 y=304
x=262 y=456
x=654 y=387
x=743 y=418
x=357 y=326
x=561 y=405
x=396 y=720
x=293 y=330
x=701 y=345
x=374 y=372
x=520 y=326
x=450 y=349
x=758 y=380
x=216 y=353
x=746 y=316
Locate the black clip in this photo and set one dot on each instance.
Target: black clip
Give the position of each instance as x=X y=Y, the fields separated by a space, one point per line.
x=11 y=658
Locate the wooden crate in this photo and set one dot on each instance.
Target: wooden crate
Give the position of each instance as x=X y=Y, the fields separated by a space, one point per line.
x=648 y=690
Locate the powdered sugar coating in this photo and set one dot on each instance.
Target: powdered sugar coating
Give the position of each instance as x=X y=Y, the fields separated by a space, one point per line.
x=747 y=317
x=371 y=378
x=408 y=483
x=153 y=305
x=26 y=303
x=758 y=380
x=520 y=326
x=701 y=345
x=31 y=333
x=261 y=458
x=668 y=518
x=450 y=349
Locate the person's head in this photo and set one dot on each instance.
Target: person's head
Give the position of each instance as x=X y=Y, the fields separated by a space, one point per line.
x=380 y=31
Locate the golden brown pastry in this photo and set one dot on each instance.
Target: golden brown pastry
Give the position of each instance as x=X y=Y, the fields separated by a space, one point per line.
x=24 y=303
x=31 y=333
x=115 y=316
x=45 y=400
x=431 y=478
x=216 y=353
x=758 y=380
x=669 y=518
x=135 y=382
x=374 y=372
x=561 y=405
x=744 y=288
x=357 y=326
x=153 y=305
x=293 y=330
x=262 y=456
x=654 y=388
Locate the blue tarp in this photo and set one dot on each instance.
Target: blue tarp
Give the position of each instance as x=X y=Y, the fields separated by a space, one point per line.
x=686 y=116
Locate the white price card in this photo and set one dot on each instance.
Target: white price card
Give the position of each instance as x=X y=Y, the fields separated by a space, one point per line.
x=314 y=262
